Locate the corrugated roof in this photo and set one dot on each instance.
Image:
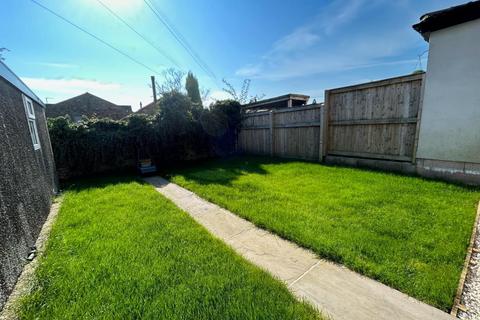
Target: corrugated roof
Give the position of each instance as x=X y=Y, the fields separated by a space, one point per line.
x=10 y=76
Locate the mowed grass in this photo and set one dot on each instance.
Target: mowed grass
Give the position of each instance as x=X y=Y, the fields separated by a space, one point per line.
x=119 y=250
x=406 y=232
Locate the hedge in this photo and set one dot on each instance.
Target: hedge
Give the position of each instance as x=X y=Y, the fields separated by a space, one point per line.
x=181 y=131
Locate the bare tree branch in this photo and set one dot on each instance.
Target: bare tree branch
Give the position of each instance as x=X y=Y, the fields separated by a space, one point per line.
x=245 y=89
x=244 y=96
x=204 y=93
x=230 y=90
x=172 y=81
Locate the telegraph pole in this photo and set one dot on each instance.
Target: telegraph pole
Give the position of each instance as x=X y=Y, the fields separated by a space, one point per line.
x=154 y=88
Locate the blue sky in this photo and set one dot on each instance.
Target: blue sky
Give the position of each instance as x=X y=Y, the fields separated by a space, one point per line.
x=303 y=46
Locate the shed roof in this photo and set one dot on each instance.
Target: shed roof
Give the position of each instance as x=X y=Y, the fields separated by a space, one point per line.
x=445 y=18
x=14 y=80
x=271 y=101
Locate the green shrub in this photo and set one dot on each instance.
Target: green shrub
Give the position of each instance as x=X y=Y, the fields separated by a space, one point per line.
x=181 y=131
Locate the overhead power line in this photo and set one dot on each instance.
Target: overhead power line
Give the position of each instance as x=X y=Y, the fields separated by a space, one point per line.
x=180 y=38
x=95 y=37
x=174 y=29
x=163 y=53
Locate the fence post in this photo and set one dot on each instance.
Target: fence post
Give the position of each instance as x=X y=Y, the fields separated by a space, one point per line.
x=324 y=126
x=320 y=134
x=419 y=119
x=272 y=133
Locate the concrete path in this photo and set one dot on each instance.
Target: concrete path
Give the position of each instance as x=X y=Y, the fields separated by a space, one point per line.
x=333 y=289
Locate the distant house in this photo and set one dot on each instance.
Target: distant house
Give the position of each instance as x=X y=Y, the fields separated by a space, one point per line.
x=88 y=105
x=450 y=130
x=280 y=102
x=27 y=175
x=150 y=109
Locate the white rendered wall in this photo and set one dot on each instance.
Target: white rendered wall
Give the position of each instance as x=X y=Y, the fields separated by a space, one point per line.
x=450 y=124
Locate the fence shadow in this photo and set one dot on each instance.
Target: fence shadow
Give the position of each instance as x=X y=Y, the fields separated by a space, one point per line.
x=225 y=170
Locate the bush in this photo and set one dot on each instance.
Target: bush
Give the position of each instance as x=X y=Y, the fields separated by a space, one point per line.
x=180 y=132
x=223 y=123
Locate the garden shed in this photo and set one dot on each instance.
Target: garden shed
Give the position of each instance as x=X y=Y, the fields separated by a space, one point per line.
x=27 y=174
x=285 y=101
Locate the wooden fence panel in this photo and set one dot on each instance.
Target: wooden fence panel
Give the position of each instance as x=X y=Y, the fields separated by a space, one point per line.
x=288 y=133
x=375 y=120
x=254 y=137
x=296 y=133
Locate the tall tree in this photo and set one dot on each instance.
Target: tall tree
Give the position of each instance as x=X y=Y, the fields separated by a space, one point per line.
x=193 y=91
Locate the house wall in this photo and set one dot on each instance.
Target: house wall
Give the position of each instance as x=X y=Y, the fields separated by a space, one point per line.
x=27 y=183
x=449 y=140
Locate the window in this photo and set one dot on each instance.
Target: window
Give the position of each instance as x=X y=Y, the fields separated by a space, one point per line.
x=32 y=124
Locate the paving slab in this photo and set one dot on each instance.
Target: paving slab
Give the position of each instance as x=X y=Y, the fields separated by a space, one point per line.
x=280 y=257
x=335 y=290
x=345 y=294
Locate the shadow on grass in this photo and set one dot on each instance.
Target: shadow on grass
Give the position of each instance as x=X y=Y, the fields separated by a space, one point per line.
x=222 y=171
x=100 y=181
x=225 y=170
x=209 y=171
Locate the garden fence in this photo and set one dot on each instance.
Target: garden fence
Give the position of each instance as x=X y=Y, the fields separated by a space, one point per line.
x=376 y=120
x=289 y=133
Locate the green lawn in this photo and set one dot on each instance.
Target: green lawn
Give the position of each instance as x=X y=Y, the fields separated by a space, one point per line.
x=119 y=250
x=408 y=233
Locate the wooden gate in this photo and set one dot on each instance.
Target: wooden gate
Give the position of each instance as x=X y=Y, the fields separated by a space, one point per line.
x=376 y=120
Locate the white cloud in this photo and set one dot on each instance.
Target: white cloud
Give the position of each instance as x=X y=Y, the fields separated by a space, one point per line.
x=70 y=86
x=248 y=71
x=325 y=44
x=60 y=89
x=339 y=13
x=328 y=21
x=302 y=38
x=58 y=65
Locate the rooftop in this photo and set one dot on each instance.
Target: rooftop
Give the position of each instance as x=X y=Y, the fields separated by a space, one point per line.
x=13 y=79
x=88 y=95
x=445 y=18
x=149 y=108
x=279 y=102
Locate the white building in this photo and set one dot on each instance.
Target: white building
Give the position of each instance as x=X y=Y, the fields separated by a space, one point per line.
x=449 y=138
